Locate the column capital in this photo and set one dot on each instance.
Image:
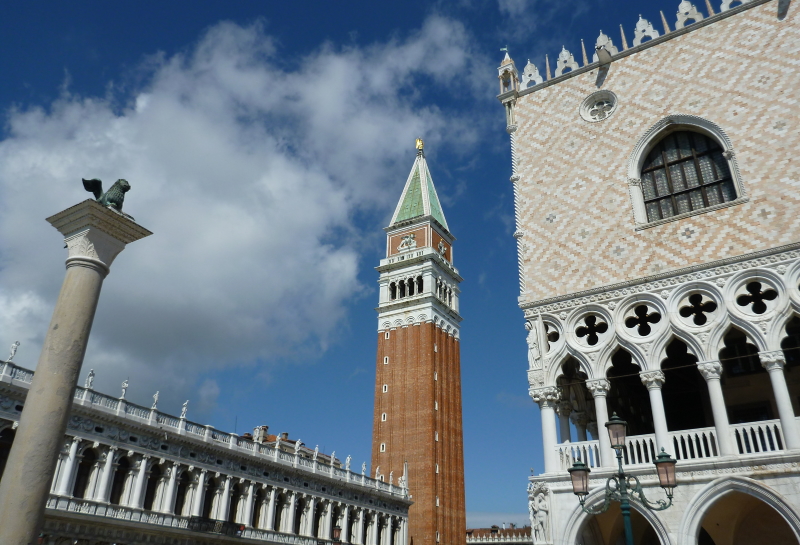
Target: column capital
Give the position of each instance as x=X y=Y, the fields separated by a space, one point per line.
x=95 y=234
x=710 y=369
x=653 y=380
x=545 y=397
x=598 y=387
x=772 y=360
x=564 y=407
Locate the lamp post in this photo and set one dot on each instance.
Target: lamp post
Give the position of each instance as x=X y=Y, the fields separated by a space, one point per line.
x=337 y=534
x=622 y=487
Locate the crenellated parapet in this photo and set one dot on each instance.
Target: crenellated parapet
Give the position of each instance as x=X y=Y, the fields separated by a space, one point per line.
x=689 y=16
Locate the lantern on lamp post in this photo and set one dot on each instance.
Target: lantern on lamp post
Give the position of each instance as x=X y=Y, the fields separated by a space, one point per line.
x=621 y=487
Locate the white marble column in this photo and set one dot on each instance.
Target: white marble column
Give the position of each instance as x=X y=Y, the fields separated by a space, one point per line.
x=599 y=390
x=65 y=485
x=547 y=398
x=375 y=527
x=140 y=484
x=360 y=536
x=653 y=381
x=169 y=498
x=328 y=520
x=711 y=371
x=106 y=478
x=290 y=520
x=94 y=236
x=225 y=500
x=311 y=505
x=247 y=517
x=346 y=538
x=564 y=409
x=199 y=494
x=774 y=363
x=271 y=509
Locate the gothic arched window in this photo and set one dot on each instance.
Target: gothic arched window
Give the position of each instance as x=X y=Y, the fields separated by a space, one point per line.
x=686 y=171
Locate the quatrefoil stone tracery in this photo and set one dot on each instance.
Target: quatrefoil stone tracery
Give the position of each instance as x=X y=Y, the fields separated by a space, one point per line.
x=592 y=327
x=756 y=296
x=698 y=309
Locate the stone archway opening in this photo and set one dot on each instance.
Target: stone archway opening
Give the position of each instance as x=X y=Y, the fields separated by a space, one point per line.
x=628 y=397
x=737 y=518
x=607 y=529
x=686 y=400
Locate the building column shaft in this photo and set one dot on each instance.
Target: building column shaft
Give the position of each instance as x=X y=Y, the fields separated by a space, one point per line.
x=346 y=538
x=139 y=485
x=289 y=529
x=328 y=521
x=199 y=495
x=225 y=504
x=105 y=480
x=785 y=409
x=711 y=372
x=549 y=437
x=168 y=505
x=607 y=454
x=247 y=517
x=659 y=420
x=65 y=485
x=271 y=509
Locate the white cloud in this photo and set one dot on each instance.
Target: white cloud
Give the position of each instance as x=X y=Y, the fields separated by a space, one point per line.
x=249 y=167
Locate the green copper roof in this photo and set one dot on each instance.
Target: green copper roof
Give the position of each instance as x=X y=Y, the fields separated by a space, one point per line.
x=419 y=196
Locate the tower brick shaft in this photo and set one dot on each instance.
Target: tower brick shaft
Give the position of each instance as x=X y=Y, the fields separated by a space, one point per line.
x=418 y=424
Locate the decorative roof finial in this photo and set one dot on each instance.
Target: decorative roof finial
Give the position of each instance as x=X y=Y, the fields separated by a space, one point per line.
x=420 y=146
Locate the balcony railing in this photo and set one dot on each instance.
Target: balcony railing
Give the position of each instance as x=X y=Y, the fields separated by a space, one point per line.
x=197 y=524
x=696 y=444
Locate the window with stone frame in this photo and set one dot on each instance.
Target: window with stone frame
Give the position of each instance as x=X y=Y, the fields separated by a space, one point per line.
x=686 y=171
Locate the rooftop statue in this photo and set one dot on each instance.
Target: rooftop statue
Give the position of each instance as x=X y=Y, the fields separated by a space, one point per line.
x=114 y=197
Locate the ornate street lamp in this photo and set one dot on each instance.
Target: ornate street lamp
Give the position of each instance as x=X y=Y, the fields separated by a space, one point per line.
x=622 y=487
x=337 y=534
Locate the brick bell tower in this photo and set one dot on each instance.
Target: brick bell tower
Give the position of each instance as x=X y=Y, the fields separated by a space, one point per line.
x=417 y=430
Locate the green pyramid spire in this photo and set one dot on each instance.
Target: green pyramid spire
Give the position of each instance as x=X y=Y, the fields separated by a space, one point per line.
x=419 y=196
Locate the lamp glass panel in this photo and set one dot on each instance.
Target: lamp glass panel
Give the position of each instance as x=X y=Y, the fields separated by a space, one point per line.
x=666 y=474
x=580 y=482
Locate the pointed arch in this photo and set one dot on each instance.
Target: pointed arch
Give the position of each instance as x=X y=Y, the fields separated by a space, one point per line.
x=606 y=355
x=699 y=505
x=554 y=367
x=659 y=351
x=716 y=340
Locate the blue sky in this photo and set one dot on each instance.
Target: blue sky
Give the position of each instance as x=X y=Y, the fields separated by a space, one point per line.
x=267 y=144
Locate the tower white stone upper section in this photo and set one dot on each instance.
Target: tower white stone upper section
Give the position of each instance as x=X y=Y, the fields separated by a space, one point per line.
x=418 y=282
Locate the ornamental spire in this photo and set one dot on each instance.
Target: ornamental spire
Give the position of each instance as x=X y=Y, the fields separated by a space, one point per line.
x=419 y=198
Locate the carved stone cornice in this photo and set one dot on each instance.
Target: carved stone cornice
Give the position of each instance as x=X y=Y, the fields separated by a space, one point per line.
x=598 y=387
x=652 y=379
x=710 y=370
x=772 y=360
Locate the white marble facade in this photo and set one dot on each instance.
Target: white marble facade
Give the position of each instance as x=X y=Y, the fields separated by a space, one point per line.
x=123 y=463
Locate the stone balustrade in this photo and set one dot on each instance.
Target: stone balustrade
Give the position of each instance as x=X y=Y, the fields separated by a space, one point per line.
x=687 y=445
